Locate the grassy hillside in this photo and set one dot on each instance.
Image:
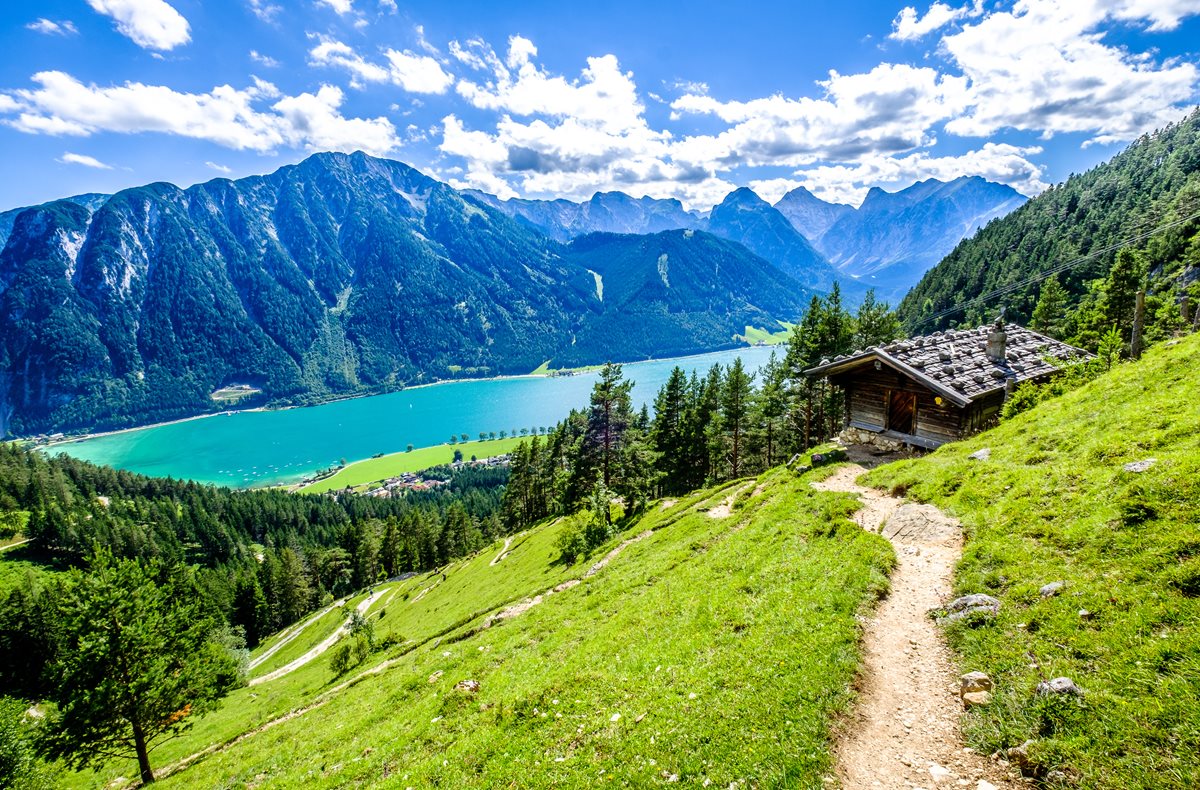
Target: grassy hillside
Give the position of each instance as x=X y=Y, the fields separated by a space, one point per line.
x=717 y=643
x=372 y=470
x=1054 y=503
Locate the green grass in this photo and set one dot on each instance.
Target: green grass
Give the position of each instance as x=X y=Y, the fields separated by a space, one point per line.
x=372 y=470
x=734 y=641
x=766 y=335
x=1053 y=503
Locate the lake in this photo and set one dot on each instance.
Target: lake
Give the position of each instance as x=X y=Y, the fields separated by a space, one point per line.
x=254 y=448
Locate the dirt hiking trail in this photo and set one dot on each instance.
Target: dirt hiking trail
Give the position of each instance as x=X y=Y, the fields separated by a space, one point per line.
x=903 y=731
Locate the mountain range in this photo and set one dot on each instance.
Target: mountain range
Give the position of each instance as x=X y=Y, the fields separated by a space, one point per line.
x=343 y=274
x=886 y=243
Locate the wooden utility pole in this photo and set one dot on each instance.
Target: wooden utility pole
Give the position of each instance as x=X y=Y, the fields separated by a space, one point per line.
x=1139 y=319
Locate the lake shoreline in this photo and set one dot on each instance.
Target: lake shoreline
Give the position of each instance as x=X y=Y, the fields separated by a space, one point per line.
x=227 y=412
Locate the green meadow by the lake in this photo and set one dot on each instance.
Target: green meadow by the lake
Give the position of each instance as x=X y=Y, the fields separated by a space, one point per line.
x=374 y=470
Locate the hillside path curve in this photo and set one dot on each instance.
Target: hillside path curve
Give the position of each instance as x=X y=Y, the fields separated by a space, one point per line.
x=903 y=731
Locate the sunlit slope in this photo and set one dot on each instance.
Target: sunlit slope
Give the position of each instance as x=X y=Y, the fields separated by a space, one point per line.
x=1054 y=502
x=716 y=642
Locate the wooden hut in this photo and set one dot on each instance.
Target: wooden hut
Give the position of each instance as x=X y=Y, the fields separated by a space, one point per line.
x=929 y=390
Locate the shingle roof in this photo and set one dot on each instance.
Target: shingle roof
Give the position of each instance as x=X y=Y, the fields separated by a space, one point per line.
x=955 y=363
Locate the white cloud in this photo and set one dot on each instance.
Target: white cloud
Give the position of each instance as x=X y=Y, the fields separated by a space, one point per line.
x=219 y=168
x=264 y=60
x=890 y=109
x=151 y=24
x=417 y=73
x=342 y=7
x=1044 y=67
x=238 y=119
x=265 y=10
x=51 y=28
x=414 y=73
x=849 y=183
x=908 y=26
x=335 y=53
x=69 y=158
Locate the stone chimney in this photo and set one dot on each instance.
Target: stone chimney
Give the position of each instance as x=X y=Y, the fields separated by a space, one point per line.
x=997 y=342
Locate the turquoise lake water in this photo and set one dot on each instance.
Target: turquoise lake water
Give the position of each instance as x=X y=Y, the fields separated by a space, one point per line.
x=268 y=447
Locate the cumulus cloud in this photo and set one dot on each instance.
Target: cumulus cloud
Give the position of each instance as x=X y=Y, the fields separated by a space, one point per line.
x=908 y=26
x=414 y=73
x=342 y=7
x=69 y=158
x=257 y=118
x=263 y=60
x=51 y=28
x=151 y=24
x=890 y=109
x=1044 y=67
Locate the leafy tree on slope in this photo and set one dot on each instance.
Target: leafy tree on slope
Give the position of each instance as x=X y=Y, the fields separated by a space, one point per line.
x=140 y=661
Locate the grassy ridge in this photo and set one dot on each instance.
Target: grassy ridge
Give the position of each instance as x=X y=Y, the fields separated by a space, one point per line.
x=1054 y=503
x=733 y=639
x=372 y=470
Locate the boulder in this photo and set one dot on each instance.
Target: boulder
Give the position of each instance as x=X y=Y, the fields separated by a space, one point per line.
x=967 y=605
x=974 y=682
x=1048 y=688
x=1052 y=589
x=1020 y=756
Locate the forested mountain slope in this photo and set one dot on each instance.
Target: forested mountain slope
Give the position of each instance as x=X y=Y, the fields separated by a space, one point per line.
x=340 y=274
x=674 y=293
x=1154 y=182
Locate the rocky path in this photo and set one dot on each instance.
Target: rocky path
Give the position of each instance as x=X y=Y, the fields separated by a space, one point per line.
x=502 y=553
x=903 y=732
x=325 y=644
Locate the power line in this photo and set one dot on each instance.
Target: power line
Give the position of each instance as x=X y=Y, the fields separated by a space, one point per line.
x=1057 y=269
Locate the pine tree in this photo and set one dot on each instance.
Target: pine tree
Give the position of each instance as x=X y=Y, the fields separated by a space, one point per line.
x=667 y=431
x=736 y=396
x=609 y=418
x=1049 y=316
x=874 y=324
x=139 y=662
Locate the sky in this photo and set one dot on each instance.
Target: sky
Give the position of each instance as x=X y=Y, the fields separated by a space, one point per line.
x=536 y=98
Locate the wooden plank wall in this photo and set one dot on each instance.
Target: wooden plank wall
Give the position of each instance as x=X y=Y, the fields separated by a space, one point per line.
x=866 y=397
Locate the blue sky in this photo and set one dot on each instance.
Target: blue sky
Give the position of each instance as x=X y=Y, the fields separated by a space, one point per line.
x=542 y=99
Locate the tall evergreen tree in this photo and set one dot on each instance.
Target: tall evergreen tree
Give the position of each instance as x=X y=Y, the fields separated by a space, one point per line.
x=1049 y=316
x=139 y=663
x=736 y=394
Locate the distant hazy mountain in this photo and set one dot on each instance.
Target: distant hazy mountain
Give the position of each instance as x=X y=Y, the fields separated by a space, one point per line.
x=742 y=217
x=746 y=218
x=606 y=212
x=343 y=274
x=809 y=214
x=895 y=237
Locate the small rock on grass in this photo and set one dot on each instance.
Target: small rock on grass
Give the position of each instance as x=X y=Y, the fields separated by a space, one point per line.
x=967 y=605
x=975 y=681
x=1052 y=589
x=1058 y=686
x=470 y=686
x=976 y=699
x=1140 y=466
x=981 y=455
